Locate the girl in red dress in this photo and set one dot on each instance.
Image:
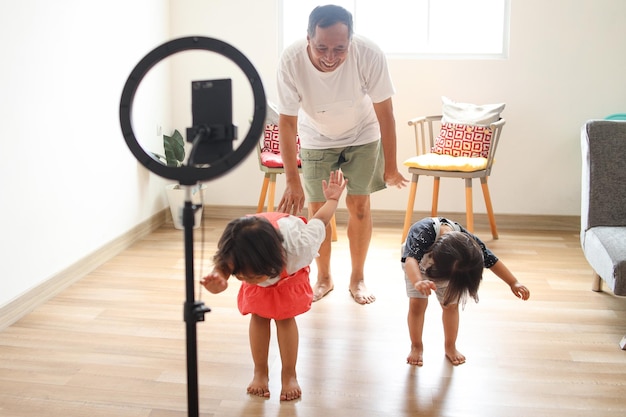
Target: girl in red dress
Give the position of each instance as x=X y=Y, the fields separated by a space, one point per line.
x=271 y=253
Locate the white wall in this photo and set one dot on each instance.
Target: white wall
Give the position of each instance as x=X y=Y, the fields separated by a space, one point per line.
x=251 y=27
x=69 y=183
x=566 y=65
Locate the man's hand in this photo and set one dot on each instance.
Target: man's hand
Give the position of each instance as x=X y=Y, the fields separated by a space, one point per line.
x=396 y=180
x=292 y=201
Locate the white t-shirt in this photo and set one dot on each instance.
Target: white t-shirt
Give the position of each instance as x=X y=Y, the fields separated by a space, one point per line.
x=334 y=109
x=302 y=243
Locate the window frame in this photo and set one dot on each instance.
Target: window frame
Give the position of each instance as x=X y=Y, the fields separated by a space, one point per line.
x=503 y=54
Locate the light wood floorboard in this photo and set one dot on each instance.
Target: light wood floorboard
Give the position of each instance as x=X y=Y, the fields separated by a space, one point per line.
x=113 y=343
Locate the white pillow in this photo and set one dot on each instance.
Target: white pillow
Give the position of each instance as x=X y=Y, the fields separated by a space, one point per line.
x=470 y=114
x=271 y=117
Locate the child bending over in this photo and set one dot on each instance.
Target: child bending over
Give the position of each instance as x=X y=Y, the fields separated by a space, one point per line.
x=440 y=255
x=270 y=253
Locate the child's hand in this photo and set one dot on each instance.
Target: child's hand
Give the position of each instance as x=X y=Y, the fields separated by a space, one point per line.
x=425 y=286
x=335 y=185
x=214 y=283
x=520 y=291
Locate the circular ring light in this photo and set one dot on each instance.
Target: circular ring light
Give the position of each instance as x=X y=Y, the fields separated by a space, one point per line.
x=189 y=175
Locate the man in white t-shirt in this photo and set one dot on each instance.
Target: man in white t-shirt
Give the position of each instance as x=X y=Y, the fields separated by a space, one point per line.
x=335 y=91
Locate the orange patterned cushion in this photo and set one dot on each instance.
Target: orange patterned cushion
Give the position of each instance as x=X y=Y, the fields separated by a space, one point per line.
x=463 y=140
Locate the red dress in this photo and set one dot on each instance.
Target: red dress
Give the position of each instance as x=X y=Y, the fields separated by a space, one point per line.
x=290 y=296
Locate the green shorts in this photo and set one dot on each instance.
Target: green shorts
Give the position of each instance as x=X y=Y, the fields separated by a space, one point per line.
x=362 y=165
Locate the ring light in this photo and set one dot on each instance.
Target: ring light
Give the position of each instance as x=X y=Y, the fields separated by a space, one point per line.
x=189 y=175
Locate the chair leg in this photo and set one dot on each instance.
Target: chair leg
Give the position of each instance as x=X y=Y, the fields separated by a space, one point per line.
x=409 y=207
x=272 y=193
x=596 y=285
x=435 y=205
x=469 y=209
x=333 y=229
x=492 y=218
x=266 y=182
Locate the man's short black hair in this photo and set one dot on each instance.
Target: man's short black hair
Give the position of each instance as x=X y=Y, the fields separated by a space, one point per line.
x=326 y=16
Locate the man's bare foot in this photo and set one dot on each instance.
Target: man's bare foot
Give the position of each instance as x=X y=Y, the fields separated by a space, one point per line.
x=259 y=386
x=361 y=294
x=291 y=389
x=454 y=356
x=321 y=289
x=415 y=356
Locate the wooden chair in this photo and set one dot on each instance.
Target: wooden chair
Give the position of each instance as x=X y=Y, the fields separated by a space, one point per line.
x=438 y=165
x=270 y=163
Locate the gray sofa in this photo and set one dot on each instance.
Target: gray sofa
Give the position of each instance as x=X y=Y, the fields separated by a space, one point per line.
x=603 y=208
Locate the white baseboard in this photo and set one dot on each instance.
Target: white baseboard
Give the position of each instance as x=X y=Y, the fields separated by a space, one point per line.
x=24 y=304
x=396 y=218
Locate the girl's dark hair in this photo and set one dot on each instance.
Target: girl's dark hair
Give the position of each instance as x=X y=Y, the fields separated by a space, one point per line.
x=326 y=16
x=457 y=257
x=250 y=245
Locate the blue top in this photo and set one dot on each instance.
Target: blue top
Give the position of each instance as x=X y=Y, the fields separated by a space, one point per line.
x=423 y=234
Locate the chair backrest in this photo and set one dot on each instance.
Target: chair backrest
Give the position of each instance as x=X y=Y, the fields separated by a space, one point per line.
x=603 y=185
x=268 y=150
x=265 y=141
x=427 y=130
x=269 y=141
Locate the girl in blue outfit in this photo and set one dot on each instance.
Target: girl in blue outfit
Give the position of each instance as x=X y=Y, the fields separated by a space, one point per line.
x=440 y=255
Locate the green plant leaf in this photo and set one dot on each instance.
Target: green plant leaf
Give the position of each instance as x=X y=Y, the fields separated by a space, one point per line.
x=174 y=149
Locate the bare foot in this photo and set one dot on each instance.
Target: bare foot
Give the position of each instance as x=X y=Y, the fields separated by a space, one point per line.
x=321 y=289
x=259 y=386
x=361 y=294
x=455 y=356
x=415 y=356
x=291 y=389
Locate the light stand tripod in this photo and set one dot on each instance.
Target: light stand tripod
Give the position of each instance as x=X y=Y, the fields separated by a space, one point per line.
x=214 y=158
x=193 y=310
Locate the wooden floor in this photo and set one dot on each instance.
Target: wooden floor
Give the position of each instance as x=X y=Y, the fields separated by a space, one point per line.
x=113 y=344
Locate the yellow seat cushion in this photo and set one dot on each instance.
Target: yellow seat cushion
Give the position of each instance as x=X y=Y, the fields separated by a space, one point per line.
x=440 y=162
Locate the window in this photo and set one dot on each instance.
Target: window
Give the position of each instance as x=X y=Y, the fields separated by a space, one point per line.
x=417 y=28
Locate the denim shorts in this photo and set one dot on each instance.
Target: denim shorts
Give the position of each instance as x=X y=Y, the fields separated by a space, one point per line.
x=362 y=165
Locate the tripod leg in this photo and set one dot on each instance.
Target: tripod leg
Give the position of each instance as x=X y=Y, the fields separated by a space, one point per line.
x=193 y=311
